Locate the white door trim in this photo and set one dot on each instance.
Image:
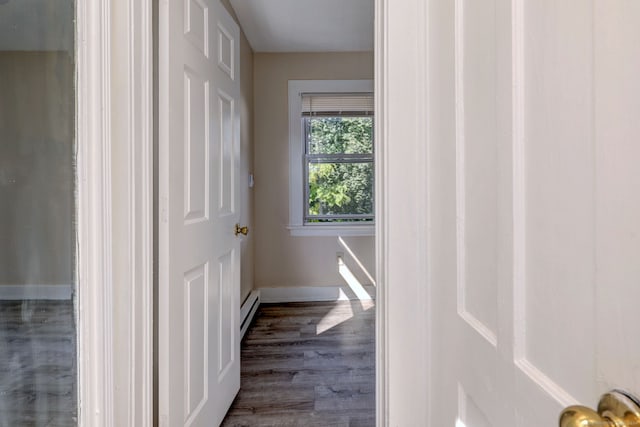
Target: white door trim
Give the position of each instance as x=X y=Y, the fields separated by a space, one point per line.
x=115 y=212
x=94 y=270
x=402 y=354
x=403 y=363
x=132 y=189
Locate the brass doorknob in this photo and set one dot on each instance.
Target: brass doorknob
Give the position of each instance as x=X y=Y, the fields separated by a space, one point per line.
x=241 y=230
x=615 y=409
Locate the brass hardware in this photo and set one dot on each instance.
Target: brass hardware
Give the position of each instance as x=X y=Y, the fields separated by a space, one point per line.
x=242 y=230
x=615 y=409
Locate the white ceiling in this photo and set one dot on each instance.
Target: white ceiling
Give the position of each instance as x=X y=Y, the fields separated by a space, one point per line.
x=307 y=25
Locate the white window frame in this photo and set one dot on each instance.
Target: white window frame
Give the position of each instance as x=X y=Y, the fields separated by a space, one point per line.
x=297 y=226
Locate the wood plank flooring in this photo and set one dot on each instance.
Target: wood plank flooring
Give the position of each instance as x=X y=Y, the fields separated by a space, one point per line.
x=37 y=364
x=308 y=364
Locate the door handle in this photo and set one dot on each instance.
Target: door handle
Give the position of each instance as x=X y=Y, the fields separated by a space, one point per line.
x=615 y=409
x=241 y=230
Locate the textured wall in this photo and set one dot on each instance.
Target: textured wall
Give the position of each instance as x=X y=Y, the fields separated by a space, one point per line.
x=37 y=237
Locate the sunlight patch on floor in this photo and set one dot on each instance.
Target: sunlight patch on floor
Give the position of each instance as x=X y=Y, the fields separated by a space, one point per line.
x=337 y=315
x=343 y=312
x=459 y=423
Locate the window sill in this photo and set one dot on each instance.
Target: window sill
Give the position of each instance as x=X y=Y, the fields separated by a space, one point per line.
x=332 y=230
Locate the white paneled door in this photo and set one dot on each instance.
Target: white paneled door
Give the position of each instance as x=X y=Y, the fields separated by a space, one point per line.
x=534 y=207
x=199 y=256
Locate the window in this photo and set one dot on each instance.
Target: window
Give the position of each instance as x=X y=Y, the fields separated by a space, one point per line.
x=338 y=139
x=331 y=157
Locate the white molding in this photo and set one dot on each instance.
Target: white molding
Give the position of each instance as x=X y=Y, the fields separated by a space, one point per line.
x=537 y=377
x=94 y=267
x=36 y=292
x=296 y=144
x=141 y=159
x=381 y=49
x=312 y=294
x=460 y=168
x=248 y=311
x=332 y=230
x=519 y=191
x=132 y=124
x=461 y=177
x=115 y=213
x=403 y=393
x=519 y=181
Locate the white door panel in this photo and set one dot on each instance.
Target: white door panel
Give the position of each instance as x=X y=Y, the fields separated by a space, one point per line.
x=535 y=199
x=199 y=372
x=617 y=130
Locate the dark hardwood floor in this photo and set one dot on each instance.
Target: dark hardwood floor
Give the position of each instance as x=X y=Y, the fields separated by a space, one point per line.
x=37 y=364
x=308 y=364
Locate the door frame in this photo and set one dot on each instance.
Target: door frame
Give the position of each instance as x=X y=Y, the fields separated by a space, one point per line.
x=403 y=330
x=115 y=143
x=114 y=265
x=93 y=176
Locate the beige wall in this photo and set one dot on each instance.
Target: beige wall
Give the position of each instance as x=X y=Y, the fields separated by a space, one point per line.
x=37 y=235
x=246 y=160
x=282 y=260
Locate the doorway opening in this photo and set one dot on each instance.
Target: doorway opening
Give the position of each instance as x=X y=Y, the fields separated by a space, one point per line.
x=284 y=150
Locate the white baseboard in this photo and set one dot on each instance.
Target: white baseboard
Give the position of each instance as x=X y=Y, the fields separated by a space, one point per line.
x=31 y=292
x=248 y=310
x=313 y=294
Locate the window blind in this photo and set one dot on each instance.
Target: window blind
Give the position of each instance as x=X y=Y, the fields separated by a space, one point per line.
x=340 y=104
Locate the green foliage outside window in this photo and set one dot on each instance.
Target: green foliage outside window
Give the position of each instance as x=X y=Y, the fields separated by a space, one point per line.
x=340 y=185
